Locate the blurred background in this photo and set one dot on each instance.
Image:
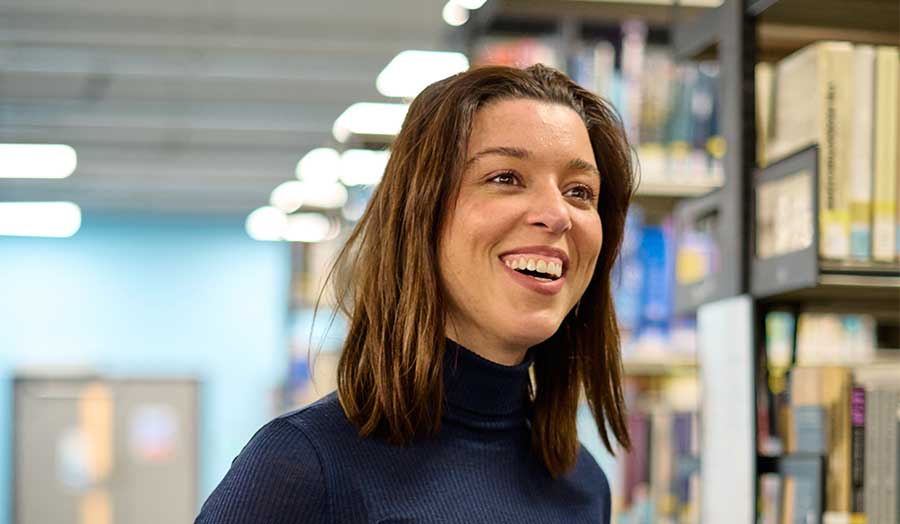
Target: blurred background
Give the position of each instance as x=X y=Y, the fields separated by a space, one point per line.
x=176 y=177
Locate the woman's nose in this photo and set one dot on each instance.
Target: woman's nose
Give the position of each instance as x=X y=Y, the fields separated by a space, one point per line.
x=548 y=209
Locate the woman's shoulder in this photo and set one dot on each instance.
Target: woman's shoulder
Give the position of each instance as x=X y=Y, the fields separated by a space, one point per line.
x=322 y=421
x=589 y=473
x=280 y=474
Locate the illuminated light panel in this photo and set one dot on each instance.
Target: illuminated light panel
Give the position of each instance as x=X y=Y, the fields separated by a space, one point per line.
x=322 y=164
x=37 y=160
x=454 y=14
x=411 y=71
x=39 y=219
x=361 y=167
x=266 y=223
x=471 y=5
x=310 y=228
x=288 y=197
x=369 y=118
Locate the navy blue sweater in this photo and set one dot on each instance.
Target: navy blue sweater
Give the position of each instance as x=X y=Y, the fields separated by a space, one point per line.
x=310 y=466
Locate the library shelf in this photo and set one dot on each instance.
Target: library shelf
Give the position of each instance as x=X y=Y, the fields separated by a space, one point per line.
x=800 y=275
x=688 y=188
x=783 y=26
x=662 y=366
x=501 y=12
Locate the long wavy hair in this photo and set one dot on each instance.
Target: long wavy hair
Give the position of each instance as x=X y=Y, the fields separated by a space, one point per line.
x=386 y=277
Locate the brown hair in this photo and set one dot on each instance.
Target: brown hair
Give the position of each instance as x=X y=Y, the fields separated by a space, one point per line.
x=390 y=374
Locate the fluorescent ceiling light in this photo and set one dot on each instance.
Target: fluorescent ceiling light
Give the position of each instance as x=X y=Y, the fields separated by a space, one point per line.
x=37 y=160
x=291 y=196
x=288 y=197
x=361 y=167
x=327 y=195
x=322 y=164
x=310 y=227
x=411 y=71
x=471 y=5
x=369 y=118
x=266 y=223
x=454 y=14
x=39 y=219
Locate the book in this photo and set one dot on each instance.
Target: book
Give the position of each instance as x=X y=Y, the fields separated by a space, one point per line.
x=763 y=75
x=857 y=448
x=873 y=436
x=861 y=168
x=802 y=476
x=888 y=456
x=829 y=387
x=831 y=338
x=884 y=211
x=812 y=105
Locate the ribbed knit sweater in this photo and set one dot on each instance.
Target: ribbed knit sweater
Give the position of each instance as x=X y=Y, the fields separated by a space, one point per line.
x=310 y=466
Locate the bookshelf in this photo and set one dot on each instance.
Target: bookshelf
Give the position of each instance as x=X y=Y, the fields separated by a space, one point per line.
x=658 y=480
x=785 y=26
x=739 y=34
x=800 y=275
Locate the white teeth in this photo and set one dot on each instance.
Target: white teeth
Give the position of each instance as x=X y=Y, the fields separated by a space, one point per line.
x=542 y=266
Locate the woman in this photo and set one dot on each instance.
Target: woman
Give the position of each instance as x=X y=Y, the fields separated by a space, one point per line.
x=485 y=253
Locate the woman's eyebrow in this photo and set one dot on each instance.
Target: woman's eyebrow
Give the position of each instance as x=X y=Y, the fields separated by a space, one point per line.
x=576 y=164
x=514 y=152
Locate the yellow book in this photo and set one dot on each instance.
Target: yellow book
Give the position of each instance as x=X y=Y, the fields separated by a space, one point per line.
x=884 y=212
x=829 y=387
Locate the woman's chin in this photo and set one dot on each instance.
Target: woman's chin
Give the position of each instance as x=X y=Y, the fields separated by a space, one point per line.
x=528 y=334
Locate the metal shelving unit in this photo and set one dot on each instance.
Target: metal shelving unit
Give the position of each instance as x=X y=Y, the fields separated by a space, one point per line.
x=738 y=34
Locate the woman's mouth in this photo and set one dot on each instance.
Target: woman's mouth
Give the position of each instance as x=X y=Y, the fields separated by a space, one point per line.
x=536 y=267
x=540 y=274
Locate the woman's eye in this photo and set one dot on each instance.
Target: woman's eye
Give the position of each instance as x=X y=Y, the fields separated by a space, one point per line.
x=506 y=177
x=582 y=193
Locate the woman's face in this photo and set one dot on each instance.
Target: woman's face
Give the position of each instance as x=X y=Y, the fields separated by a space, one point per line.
x=520 y=246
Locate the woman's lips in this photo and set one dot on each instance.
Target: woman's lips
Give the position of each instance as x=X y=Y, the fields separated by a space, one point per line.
x=545 y=288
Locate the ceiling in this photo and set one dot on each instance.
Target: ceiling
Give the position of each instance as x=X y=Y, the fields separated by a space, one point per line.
x=191 y=107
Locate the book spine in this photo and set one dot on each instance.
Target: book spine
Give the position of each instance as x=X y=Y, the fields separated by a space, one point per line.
x=861 y=174
x=836 y=66
x=897 y=471
x=873 y=441
x=887 y=72
x=889 y=458
x=858 y=448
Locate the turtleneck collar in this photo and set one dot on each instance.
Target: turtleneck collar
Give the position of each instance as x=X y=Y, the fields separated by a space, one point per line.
x=482 y=387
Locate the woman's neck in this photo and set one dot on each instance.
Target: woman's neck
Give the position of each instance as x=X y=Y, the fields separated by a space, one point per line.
x=484 y=347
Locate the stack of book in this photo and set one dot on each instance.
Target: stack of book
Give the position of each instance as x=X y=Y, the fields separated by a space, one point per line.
x=843 y=99
x=658 y=480
x=834 y=428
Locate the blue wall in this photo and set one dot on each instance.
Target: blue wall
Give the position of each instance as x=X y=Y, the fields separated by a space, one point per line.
x=151 y=296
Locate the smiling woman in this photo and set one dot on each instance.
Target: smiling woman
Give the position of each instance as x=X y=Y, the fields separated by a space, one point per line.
x=477 y=285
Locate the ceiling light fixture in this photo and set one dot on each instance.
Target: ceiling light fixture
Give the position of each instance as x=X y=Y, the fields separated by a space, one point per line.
x=454 y=14
x=471 y=5
x=310 y=228
x=411 y=71
x=266 y=223
x=363 y=167
x=322 y=164
x=369 y=118
x=37 y=160
x=39 y=219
